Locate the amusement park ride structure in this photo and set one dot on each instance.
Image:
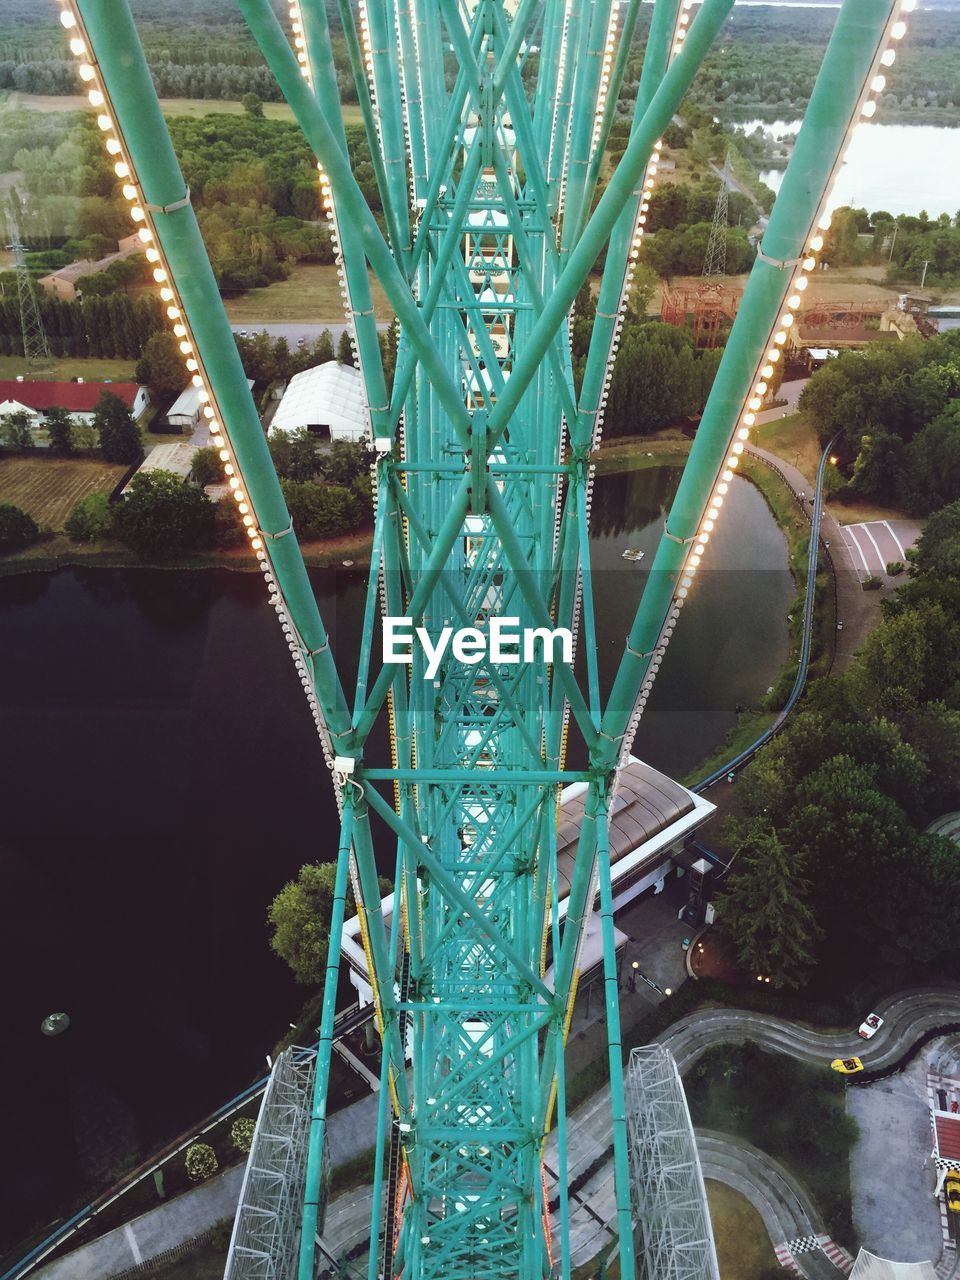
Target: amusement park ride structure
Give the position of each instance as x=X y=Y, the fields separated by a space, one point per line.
x=488 y=179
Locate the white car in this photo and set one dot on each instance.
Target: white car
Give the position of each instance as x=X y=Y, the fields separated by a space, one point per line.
x=870 y=1026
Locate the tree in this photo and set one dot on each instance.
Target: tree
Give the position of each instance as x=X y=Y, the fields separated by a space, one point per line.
x=17 y=529
x=299 y=918
x=938 y=549
x=161 y=516
x=345 y=348
x=207 y=468
x=252 y=105
x=344 y=461
x=932 y=472
x=200 y=1161
x=18 y=430
x=324 y=347
x=90 y=519
x=60 y=431
x=241 y=1134
x=83 y=437
x=161 y=366
x=119 y=434
x=765 y=909
x=321 y=511
x=294 y=454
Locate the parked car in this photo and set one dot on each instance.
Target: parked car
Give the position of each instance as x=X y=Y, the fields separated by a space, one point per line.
x=951 y=1189
x=847 y=1066
x=870 y=1026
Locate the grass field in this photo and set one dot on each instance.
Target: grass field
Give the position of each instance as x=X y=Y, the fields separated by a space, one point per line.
x=743 y=1246
x=170 y=106
x=793 y=439
x=64 y=370
x=49 y=488
x=311 y=295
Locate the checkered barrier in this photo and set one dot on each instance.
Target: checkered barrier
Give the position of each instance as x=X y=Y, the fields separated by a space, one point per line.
x=790 y=1250
x=786 y=1258
x=945 y=1265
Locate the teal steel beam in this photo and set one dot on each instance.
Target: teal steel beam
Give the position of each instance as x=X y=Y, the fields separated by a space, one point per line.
x=676 y=82
x=323 y=77
x=318 y=1115
x=116 y=47
x=850 y=55
x=624 y=42
x=611 y=988
x=267 y=32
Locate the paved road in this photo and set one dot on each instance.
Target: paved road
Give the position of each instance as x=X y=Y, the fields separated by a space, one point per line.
x=783 y=1203
x=294 y=330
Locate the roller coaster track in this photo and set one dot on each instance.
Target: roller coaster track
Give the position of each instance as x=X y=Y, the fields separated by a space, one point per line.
x=492 y=219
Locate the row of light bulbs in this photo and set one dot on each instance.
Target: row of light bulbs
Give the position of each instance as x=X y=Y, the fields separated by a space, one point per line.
x=139 y=211
x=876 y=83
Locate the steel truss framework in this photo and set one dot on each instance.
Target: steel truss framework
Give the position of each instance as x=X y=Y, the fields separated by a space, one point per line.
x=483 y=481
x=266 y=1229
x=670 y=1201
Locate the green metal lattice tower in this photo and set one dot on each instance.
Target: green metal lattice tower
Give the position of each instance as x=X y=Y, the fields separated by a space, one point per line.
x=488 y=179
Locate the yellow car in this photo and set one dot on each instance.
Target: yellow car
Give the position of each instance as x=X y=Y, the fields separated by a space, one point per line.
x=951 y=1189
x=847 y=1066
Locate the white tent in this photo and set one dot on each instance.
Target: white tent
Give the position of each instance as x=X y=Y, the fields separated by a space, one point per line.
x=327 y=399
x=869 y=1267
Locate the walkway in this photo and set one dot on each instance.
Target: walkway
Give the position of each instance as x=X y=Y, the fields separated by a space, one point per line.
x=856 y=608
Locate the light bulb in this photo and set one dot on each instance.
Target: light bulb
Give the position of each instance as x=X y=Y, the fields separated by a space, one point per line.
x=77 y=47
x=869 y=109
x=67 y=19
x=86 y=72
x=121 y=169
x=95 y=98
x=888 y=58
x=113 y=146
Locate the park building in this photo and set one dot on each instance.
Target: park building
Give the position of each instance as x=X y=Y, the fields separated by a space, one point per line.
x=653 y=821
x=80 y=399
x=63 y=282
x=184 y=414
x=328 y=400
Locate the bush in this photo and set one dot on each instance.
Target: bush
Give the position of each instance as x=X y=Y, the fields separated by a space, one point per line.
x=17 y=529
x=90 y=519
x=207 y=468
x=321 y=511
x=872 y=584
x=241 y=1134
x=162 y=516
x=200 y=1161
x=895 y=567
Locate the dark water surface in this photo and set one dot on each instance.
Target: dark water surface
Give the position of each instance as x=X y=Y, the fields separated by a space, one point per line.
x=161 y=780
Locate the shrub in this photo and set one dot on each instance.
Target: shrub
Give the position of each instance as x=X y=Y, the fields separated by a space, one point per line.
x=17 y=529
x=241 y=1134
x=200 y=1161
x=206 y=468
x=872 y=584
x=90 y=519
x=895 y=567
x=163 y=516
x=321 y=511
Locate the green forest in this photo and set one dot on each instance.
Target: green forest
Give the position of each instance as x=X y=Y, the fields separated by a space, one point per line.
x=763 y=64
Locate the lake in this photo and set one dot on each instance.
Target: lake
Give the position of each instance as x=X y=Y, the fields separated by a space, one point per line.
x=162 y=780
x=902 y=168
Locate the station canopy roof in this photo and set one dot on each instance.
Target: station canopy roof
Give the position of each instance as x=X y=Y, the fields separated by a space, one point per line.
x=869 y=1267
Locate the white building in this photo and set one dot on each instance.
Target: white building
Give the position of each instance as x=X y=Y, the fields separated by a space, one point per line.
x=184 y=413
x=328 y=400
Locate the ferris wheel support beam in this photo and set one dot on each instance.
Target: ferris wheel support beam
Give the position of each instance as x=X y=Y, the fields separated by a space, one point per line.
x=674 y=86
x=273 y=44
x=838 y=95
x=323 y=77
x=126 y=78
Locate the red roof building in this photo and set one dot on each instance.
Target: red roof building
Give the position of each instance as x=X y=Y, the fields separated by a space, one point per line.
x=80 y=399
x=76 y=397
